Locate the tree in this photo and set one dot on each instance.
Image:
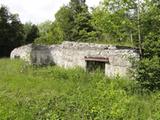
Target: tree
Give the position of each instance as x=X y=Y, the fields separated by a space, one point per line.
x=50 y=33
x=82 y=29
x=148 y=68
x=74 y=22
x=11 y=31
x=31 y=32
x=116 y=20
x=65 y=22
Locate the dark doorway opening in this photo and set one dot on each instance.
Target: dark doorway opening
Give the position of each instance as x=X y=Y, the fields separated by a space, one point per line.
x=96 y=63
x=93 y=66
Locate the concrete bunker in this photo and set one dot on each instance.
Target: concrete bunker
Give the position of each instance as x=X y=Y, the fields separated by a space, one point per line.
x=96 y=63
x=109 y=59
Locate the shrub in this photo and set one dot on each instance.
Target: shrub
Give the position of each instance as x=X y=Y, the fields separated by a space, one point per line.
x=148 y=73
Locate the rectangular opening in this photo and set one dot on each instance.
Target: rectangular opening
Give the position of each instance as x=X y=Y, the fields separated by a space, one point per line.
x=96 y=63
x=93 y=66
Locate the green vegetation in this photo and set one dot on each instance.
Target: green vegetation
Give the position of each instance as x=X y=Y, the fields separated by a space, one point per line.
x=31 y=32
x=29 y=92
x=50 y=93
x=72 y=23
x=148 y=68
x=13 y=33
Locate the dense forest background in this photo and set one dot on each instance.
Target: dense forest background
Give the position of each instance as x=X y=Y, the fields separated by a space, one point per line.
x=124 y=22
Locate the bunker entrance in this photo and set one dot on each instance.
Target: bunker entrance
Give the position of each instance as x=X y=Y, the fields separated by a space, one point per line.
x=93 y=66
x=96 y=64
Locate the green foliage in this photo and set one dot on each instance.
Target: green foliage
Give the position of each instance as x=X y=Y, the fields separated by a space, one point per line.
x=50 y=33
x=148 y=72
x=148 y=69
x=65 y=21
x=31 y=32
x=150 y=27
x=38 y=93
x=83 y=29
x=116 y=20
x=11 y=31
x=74 y=22
x=123 y=22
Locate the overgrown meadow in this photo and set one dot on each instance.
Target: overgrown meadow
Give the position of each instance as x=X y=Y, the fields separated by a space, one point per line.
x=53 y=93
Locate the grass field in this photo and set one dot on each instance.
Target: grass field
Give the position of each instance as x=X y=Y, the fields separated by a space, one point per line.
x=53 y=93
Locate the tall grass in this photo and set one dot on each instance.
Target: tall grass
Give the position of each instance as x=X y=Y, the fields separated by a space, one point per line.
x=53 y=93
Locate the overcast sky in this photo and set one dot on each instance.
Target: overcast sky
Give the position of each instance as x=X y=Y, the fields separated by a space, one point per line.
x=37 y=11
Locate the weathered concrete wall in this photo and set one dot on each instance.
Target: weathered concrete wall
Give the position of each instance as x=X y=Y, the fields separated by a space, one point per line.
x=34 y=54
x=71 y=54
x=23 y=52
x=41 y=55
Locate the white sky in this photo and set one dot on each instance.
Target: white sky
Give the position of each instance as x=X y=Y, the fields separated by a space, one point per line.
x=37 y=11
